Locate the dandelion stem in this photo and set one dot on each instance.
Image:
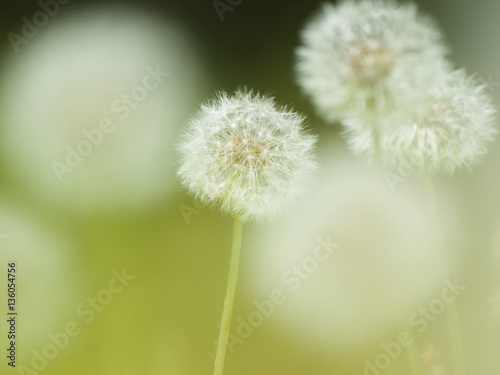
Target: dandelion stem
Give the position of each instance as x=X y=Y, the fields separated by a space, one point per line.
x=377 y=146
x=229 y=301
x=414 y=357
x=452 y=315
x=456 y=339
x=373 y=120
x=412 y=352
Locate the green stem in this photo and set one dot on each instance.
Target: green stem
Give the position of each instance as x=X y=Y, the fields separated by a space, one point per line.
x=229 y=301
x=377 y=146
x=413 y=354
x=452 y=314
x=456 y=339
x=372 y=119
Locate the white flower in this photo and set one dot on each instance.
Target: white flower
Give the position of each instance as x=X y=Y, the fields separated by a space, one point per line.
x=454 y=131
x=246 y=154
x=368 y=56
x=386 y=264
x=87 y=67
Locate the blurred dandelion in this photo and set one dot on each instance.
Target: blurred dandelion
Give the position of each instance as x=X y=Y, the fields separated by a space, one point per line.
x=388 y=259
x=99 y=64
x=368 y=56
x=380 y=69
x=453 y=132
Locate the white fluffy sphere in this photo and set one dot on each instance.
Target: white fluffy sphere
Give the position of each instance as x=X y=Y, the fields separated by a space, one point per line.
x=374 y=56
x=388 y=260
x=246 y=154
x=453 y=131
x=92 y=106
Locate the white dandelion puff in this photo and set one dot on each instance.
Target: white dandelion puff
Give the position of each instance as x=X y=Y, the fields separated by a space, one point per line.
x=246 y=154
x=109 y=64
x=453 y=132
x=388 y=255
x=368 y=56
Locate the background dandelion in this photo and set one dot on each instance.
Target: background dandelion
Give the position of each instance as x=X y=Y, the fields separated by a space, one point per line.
x=387 y=262
x=119 y=66
x=454 y=130
x=373 y=56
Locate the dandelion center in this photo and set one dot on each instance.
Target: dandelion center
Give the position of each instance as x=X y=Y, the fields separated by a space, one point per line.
x=245 y=149
x=370 y=63
x=246 y=156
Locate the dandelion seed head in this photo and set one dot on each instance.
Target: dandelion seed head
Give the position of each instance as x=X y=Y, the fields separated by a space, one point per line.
x=382 y=256
x=454 y=131
x=246 y=154
x=367 y=55
x=90 y=67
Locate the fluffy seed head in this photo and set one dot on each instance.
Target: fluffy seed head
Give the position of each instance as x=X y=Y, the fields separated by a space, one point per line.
x=387 y=253
x=453 y=132
x=367 y=55
x=86 y=69
x=246 y=154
